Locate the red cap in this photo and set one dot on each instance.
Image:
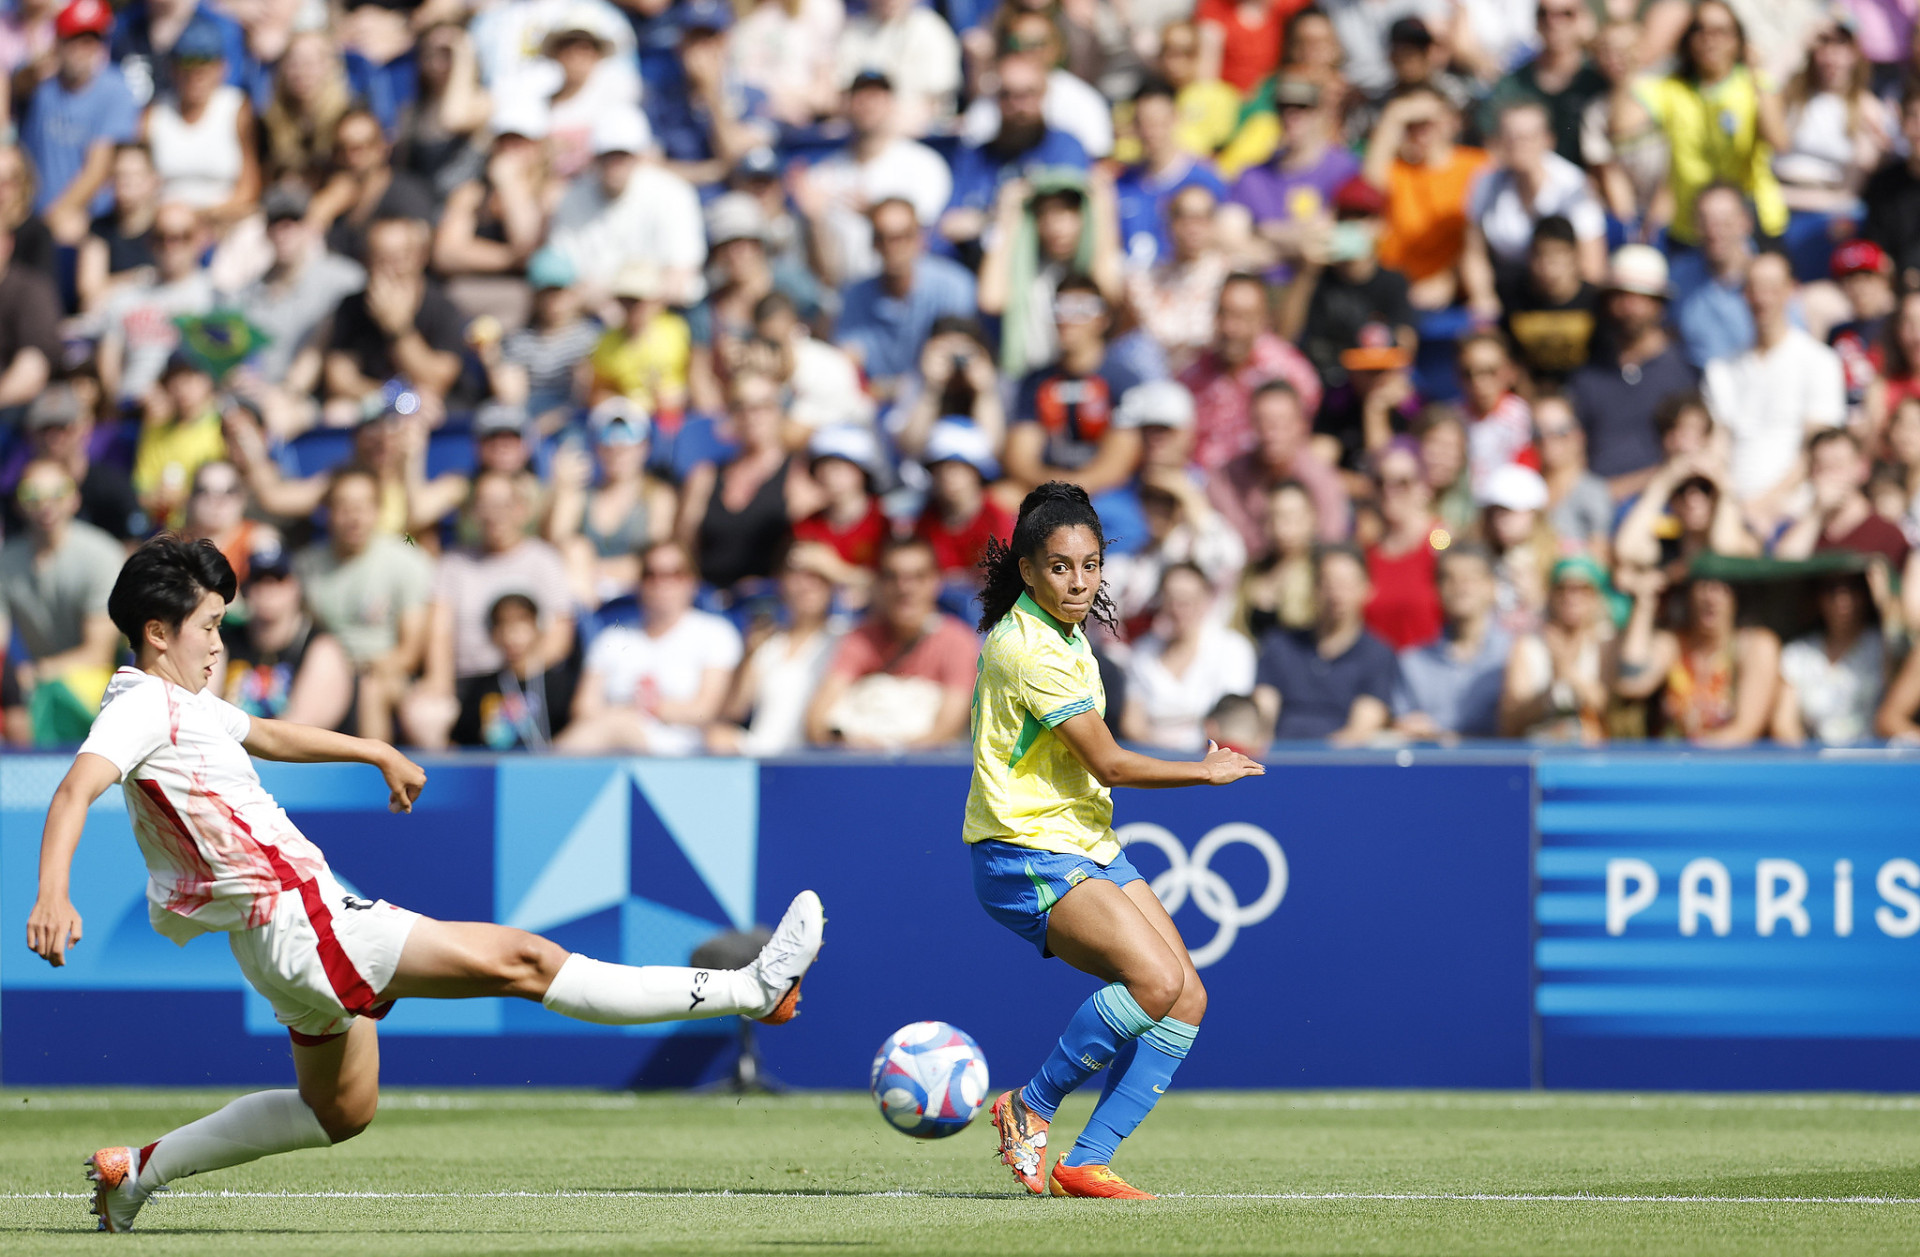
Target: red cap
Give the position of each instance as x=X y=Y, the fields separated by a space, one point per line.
x=1856 y=256
x=1357 y=196
x=84 y=17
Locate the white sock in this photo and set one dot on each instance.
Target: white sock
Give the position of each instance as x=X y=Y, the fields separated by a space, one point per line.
x=625 y=995
x=251 y=1127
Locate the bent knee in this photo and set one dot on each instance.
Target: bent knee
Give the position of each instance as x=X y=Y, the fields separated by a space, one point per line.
x=344 y=1118
x=527 y=964
x=1158 y=991
x=1192 y=1004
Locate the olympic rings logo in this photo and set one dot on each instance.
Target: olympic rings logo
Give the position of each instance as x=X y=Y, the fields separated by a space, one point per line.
x=1193 y=876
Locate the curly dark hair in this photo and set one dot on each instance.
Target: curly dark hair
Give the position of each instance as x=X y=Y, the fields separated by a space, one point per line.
x=1054 y=505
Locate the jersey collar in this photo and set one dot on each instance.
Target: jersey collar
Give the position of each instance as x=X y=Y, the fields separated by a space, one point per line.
x=1034 y=609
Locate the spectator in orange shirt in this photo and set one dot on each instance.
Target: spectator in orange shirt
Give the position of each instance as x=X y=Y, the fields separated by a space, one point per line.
x=1412 y=158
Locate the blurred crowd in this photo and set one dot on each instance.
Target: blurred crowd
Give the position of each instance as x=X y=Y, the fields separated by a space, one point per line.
x=649 y=377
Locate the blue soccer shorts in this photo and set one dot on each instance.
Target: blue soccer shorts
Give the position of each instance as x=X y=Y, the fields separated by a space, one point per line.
x=1018 y=886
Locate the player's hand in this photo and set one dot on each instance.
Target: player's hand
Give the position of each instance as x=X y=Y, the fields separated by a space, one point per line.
x=1224 y=765
x=52 y=929
x=405 y=780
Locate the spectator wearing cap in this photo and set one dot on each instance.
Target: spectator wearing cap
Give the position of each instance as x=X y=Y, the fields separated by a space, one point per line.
x=1071 y=103
x=1617 y=393
x=653 y=688
x=539 y=364
x=1178 y=522
x=1273 y=207
x=180 y=429
x=766 y=707
x=786 y=50
x=606 y=508
x=494 y=222
x=1175 y=298
x=29 y=330
x=1188 y=662
x=138 y=329
x=400 y=325
x=74 y=119
x=1063 y=413
x=1412 y=157
x=631 y=208
x=845 y=463
x=368 y=588
x=292 y=303
x=520 y=707
x=1245 y=354
x=911 y=45
x=466 y=584
x=903 y=678
x=1526 y=183
x=1024 y=145
x=1333 y=681
x=704 y=118
x=1773 y=396
x=886 y=318
x=1144 y=191
x=1514 y=522
x=60 y=428
x=509 y=42
x=1550 y=313
x=55 y=576
x=1579 y=507
x=365 y=187
x=960 y=516
x=1559 y=680
x=1404 y=610
x=146 y=33
x=1892 y=198
x=1710 y=283
x=879 y=163
x=646 y=358
x=201 y=131
x=592 y=84
x=216 y=511
x=1561 y=78
x=1450 y=687
x=1835 y=514
x=280 y=665
x=1865 y=275
x=501 y=445
x=119 y=248
x=1340 y=299
x=1282 y=451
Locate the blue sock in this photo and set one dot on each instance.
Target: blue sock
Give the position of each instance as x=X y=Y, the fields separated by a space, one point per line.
x=1132 y=1091
x=1109 y=1018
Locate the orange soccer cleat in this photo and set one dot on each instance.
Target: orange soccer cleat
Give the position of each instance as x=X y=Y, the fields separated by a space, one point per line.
x=1023 y=1140
x=1092 y=1181
x=116 y=1187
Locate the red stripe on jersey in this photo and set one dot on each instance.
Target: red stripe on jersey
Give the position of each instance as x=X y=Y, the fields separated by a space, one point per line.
x=171 y=831
x=348 y=986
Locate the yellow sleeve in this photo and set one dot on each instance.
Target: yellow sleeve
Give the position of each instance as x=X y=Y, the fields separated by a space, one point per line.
x=1050 y=688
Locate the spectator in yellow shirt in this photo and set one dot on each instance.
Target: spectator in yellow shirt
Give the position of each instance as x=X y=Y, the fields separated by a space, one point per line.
x=179 y=431
x=646 y=359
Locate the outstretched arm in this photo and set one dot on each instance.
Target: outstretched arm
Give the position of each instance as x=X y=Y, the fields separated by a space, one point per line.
x=1091 y=742
x=54 y=926
x=303 y=744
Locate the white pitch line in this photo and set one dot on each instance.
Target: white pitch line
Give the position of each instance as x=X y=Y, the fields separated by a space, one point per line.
x=1571 y=1198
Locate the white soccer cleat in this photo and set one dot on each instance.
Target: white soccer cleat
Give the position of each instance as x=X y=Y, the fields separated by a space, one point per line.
x=117 y=1197
x=787 y=957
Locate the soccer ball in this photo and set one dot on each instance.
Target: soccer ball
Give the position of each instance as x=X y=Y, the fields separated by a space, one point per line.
x=929 y=1079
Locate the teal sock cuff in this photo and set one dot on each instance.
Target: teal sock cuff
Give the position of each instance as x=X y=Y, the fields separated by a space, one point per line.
x=1120 y=1010
x=1171 y=1036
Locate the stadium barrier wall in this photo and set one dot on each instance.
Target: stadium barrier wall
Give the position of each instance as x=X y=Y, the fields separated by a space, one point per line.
x=1431 y=919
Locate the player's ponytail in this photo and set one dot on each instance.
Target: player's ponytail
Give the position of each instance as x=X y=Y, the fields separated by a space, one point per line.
x=1054 y=505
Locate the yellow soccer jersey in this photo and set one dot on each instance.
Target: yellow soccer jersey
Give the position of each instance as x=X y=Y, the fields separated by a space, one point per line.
x=1028 y=789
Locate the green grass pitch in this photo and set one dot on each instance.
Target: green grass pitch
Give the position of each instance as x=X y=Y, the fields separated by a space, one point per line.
x=1261 y=1172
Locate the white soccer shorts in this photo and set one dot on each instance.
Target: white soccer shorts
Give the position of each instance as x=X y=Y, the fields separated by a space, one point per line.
x=324 y=958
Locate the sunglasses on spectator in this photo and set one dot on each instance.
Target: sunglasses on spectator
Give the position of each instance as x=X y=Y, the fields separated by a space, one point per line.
x=1182 y=49
x=223 y=489
x=1078 y=307
x=896 y=237
x=1397 y=482
x=34 y=495
x=1724 y=29
x=1021 y=93
x=1569 y=14
x=1479 y=370
x=666 y=573
x=1554 y=434
x=175 y=237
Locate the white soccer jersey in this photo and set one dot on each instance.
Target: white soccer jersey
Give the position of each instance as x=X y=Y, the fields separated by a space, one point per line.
x=219 y=850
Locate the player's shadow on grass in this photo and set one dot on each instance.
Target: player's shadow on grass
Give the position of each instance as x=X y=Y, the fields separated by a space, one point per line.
x=1894 y=1183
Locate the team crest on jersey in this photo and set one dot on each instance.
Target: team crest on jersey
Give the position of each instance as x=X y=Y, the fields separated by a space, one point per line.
x=1076 y=877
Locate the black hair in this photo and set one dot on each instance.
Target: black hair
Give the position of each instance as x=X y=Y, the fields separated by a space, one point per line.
x=1686 y=65
x=1054 y=505
x=164 y=580
x=1078 y=281
x=1555 y=227
x=511 y=602
x=773 y=303
x=1666 y=416
x=1154 y=85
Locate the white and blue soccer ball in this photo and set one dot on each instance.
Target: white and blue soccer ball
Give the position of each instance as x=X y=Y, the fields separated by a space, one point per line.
x=929 y=1079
